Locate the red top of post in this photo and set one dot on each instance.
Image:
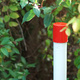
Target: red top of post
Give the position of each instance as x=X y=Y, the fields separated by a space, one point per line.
x=59 y=37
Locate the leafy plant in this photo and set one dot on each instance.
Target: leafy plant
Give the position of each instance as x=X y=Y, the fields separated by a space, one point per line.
x=11 y=67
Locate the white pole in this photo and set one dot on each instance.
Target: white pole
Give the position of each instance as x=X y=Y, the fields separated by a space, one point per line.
x=59 y=52
x=60 y=61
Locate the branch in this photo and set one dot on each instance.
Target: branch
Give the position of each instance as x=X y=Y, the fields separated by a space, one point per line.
x=22 y=35
x=42 y=3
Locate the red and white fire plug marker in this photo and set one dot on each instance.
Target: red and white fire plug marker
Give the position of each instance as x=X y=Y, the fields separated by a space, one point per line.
x=59 y=52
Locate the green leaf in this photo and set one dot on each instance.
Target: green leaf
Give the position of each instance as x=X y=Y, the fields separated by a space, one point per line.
x=68 y=31
x=4 y=51
x=63 y=29
x=5 y=74
x=77 y=61
x=49 y=31
x=0 y=59
x=1 y=25
x=12 y=73
x=67 y=78
x=5 y=40
x=5 y=8
x=20 y=73
x=31 y=65
x=79 y=8
x=23 y=3
x=48 y=19
x=76 y=25
x=10 y=78
x=1 y=19
x=58 y=2
x=14 y=1
x=6 y=18
x=48 y=10
x=78 y=74
x=67 y=3
x=23 y=60
x=13 y=7
x=20 y=64
x=15 y=79
x=11 y=44
x=28 y=16
x=34 y=1
x=58 y=9
x=36 y=10
x=26 y=72
x=14 y=15
x=7 y=63
x=0 y=1
x=23 y=12
x=71 y=21
x=78 y=67
x=23 y=78
x=48 y=42
x=16 y=50
x=76 y=52
x=49 y=56
x=19 y=39
x=13 y=24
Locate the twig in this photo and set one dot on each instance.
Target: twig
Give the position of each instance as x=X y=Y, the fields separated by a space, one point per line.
x=35 y=50
x=22 y=35
x=42 y=3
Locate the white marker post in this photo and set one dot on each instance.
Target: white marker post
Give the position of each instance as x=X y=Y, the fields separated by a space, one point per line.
x=59 y=52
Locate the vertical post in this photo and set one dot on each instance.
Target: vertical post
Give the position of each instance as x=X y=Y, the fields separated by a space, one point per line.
x=59 y=52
